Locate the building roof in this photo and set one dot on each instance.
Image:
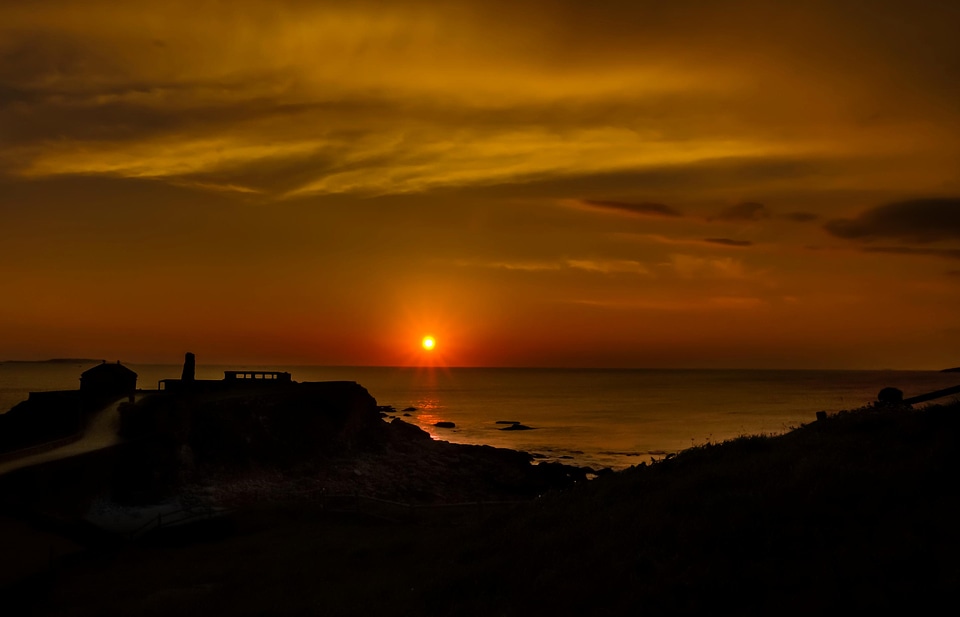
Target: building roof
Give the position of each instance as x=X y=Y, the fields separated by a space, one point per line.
x=114 y=370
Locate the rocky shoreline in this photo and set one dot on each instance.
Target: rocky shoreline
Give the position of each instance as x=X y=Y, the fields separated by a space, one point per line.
x=243 y=447
x=410 y=467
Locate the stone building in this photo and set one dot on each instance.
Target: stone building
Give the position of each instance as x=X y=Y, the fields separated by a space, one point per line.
x=106 y=381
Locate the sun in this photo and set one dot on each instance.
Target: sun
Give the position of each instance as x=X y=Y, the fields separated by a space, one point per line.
x=428 y=343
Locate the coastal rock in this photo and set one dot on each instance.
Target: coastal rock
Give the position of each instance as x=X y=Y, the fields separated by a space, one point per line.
x=444 y=424
x=406 y=431
x=890 y=396
x=517 y=427
x=409 y=409
x=507 y=422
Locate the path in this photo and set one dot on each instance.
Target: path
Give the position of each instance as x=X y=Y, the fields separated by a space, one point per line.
x=102 y=431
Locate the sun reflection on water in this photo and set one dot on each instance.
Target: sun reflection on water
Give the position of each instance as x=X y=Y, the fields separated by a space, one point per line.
x=427 y=404
x=427 y=415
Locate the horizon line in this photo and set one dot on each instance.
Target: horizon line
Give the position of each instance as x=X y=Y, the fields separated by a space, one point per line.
x=435 y=367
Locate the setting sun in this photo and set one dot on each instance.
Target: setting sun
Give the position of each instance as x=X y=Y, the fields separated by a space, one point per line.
x=428 y=343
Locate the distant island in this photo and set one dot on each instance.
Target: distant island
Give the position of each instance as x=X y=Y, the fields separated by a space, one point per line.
x=56 y=361
x=955 y=369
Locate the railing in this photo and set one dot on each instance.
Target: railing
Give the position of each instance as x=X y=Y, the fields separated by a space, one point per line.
x=930 y=396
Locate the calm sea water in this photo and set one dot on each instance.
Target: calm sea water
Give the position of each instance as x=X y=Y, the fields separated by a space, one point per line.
x=602 y=418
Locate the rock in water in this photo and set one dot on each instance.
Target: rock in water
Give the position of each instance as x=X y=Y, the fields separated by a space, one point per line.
x=445 y=425
x=517 y=427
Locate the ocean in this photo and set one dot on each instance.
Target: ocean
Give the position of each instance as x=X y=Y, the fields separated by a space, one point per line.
x=593 y=417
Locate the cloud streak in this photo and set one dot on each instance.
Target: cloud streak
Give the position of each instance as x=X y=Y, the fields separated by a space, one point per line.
x=801 y=217
x=747 y=211
x=921 y=221
x=921 y=252
x=729 y=242
x=598 y=266
x=634 y=208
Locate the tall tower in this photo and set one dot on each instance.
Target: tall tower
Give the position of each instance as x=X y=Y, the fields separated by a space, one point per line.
x=189 y=367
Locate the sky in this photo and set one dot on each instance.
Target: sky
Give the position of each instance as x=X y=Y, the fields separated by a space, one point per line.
x=730 y=184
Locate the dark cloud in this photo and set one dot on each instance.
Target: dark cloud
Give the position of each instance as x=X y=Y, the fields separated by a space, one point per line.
x=728 y=242
x=919 y=220
x=642 y=208
x=906 y=250
x=746 y=211
x=801 y=217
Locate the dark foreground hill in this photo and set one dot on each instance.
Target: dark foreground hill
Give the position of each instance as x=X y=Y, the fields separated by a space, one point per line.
x=855 y=513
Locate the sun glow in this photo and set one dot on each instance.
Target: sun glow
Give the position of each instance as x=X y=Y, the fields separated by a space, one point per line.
x=428 y=343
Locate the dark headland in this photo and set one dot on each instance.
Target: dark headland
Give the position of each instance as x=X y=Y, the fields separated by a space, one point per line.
x=855 y=512
x=54 y=361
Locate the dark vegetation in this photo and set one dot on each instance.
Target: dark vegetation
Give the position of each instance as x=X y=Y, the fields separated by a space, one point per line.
x=855 y=513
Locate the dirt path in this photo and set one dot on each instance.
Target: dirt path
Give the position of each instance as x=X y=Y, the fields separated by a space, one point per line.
x=101 y=432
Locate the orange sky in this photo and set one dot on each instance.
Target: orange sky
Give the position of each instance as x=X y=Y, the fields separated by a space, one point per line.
x=636 y=184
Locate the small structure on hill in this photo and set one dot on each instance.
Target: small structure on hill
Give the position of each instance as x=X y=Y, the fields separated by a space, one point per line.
x=256 y=375
x=108 y=381
x=50 y=416
x=231 y=379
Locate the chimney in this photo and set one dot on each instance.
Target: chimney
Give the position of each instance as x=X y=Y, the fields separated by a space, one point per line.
x=189 y=367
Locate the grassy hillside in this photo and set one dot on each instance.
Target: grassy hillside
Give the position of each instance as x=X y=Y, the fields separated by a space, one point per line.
x=858 y=512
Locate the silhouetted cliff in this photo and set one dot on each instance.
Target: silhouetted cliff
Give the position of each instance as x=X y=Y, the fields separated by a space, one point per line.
x=275 y=425
x=326 y=435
